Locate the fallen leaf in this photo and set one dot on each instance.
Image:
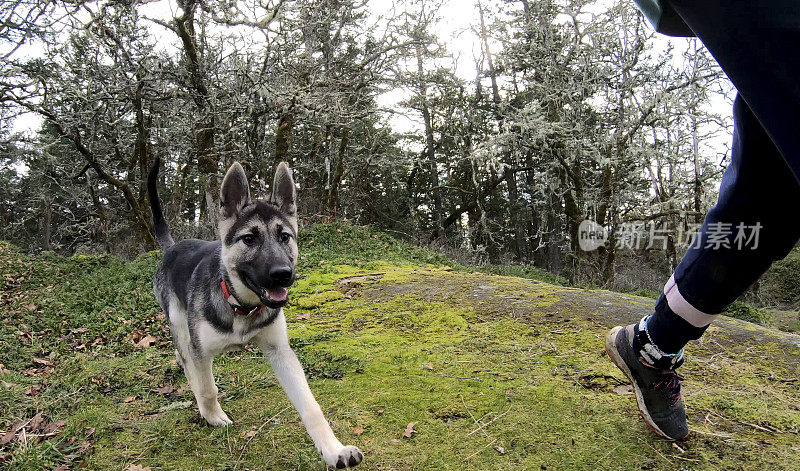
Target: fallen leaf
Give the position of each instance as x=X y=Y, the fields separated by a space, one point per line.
x=33 y=390
x=84 y=447
x=623 y=389
x=129 y=399
x=146 y=341
x=410 y=430
x=358 y=430
x=42 y=361
x=98 y=380
x=251 y=434
x=304 y=316
x=35 y=422
x=137 y=467
x=7 y=437
x=4 y=370
x=80 y=330
x=395 y=441
x=166 y=389
x=54 y=428
x=62 y=467
x=30 y=307
x=429 y=365
x=380 y=411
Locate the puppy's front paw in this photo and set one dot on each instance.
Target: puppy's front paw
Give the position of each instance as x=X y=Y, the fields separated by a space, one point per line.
x=216 y=417
x=346 y=457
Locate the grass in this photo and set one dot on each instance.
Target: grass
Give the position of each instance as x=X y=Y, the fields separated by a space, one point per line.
x=781 y=284
x=394 y=335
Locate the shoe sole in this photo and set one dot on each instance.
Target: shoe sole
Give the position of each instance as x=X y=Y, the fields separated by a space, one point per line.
x=615 y=357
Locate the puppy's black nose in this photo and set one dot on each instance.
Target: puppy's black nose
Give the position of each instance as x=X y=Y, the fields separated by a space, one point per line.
x=281 y=274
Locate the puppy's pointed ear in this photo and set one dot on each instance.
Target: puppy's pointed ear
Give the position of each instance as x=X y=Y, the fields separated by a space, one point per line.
x=234 y=193
x=284 y=191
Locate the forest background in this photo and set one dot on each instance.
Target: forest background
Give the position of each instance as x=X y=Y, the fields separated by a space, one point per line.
x=486 y=130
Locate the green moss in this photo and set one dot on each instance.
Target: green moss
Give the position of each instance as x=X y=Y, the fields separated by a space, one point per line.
x=746 y=312
x=316 y=300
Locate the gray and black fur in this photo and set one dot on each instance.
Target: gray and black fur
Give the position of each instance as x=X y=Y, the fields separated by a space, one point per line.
x=255 y=256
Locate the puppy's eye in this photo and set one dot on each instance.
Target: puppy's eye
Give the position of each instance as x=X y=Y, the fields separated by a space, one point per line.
x=284 y=237
x=248 y=239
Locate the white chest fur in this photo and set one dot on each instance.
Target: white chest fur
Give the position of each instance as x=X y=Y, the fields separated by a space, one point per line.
x=242 y=332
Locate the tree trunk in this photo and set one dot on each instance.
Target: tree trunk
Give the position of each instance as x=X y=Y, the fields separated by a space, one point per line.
x=572 y=212
x=47 y=216
x=610 y=251
x=283 y=137
x=554 y=236
x=100 y=230
x=605 y=195
x=697 y=186
x=207 y=158
x=517 y=213
x=141 y=148
x=207 y=164
x=333 y=193
x=430 y=150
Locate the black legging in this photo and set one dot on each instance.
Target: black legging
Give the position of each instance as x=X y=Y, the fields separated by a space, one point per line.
x=756 y=44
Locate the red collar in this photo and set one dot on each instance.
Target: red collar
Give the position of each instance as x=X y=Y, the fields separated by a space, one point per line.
x=239 y=309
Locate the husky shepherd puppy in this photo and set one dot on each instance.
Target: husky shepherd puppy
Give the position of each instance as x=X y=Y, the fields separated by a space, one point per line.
x=224 y=294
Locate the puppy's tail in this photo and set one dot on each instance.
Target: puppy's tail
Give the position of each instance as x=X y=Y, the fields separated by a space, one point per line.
x=160 y=227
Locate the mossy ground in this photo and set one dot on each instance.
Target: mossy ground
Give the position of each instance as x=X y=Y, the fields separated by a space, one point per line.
x=497 y=372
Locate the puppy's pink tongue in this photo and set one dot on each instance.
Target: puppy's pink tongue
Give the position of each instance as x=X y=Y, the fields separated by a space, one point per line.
x=278 y=294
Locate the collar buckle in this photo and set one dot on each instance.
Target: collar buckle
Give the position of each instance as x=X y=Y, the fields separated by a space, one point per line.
x=237 y=308
x=256 y=309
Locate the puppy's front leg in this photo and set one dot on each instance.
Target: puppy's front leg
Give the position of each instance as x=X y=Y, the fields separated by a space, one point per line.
x=275 y=345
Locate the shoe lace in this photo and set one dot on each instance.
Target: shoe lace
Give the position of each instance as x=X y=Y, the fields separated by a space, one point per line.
x=670 y=383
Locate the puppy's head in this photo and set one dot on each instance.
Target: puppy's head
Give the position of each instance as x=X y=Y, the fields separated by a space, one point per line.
x=259 y=237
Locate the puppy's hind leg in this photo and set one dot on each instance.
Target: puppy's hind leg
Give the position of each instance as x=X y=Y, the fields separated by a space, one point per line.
x=198 y=372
